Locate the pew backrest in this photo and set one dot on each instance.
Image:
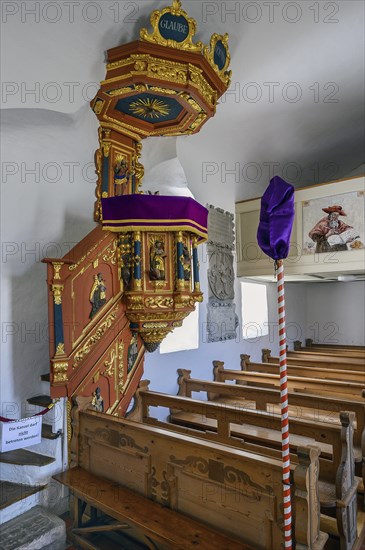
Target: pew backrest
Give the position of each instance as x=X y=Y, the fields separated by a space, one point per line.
x=235 y=491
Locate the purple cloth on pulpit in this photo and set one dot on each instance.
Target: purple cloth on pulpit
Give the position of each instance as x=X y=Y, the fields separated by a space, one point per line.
x=156 y=212
x=276 y=219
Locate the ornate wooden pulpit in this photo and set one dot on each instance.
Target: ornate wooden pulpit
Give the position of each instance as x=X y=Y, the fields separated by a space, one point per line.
x=135 y=277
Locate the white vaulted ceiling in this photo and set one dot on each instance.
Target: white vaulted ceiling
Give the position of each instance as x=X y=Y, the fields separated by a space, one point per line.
x=295 y=106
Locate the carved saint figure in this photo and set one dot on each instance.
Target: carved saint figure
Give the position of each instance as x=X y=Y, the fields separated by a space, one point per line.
x=186 y=261
x=126 y=268
x=97 y=401
x=122 y=175
x=330 y=233
x=157 y=261
x=132 y=352
x=97 y=294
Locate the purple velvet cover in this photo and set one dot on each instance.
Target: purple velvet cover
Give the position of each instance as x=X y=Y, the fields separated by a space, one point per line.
x=276 y=219
x=162 y=213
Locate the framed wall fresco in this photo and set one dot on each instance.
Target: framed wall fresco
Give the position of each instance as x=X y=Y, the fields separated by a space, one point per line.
x=334 y=223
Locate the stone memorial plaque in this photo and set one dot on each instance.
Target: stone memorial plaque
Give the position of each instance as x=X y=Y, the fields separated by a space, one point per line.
x=221 y=316
x=222 y=321
x=220 y=227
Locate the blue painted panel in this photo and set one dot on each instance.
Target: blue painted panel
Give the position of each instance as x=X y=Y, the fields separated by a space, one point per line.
x=150 y=107
x=58 y=324
x=105 y=175
x=220 y=55
x=195 y=265
x=173 y=27
x=180 y=267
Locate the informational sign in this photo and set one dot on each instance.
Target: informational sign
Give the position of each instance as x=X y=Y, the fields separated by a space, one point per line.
x=18 y=434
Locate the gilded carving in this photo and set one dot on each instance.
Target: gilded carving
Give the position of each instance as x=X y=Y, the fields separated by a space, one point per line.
x=187 y=301
x=197 y=78
x=74 y=266
x=86 y=348
x=134 y=302
x=139 y=168
x=155 y=302
x=168 y=70
x=151 y=108
x=166 y=91
x=155 y=325
x=124 y=254
x=60 y=371
x=209 y=54
x=120 y=366
x=56 y=270
x=57 y=293
x=120 y=91
x=152 y=316
x=111 y=253
x=154 y=337
x=191 y=101
x=60 y=350
x=198 y=121
x=188 y=30
x=110 y=365
x=98 y=105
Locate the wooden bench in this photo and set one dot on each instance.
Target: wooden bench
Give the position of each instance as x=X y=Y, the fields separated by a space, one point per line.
x=308 y=371
x=149 y=521
x=350 y=390
x=260 y=432
x=327 y=362
x=233 y=492
x=329 y=350
x=330 y=347
x=311 y=407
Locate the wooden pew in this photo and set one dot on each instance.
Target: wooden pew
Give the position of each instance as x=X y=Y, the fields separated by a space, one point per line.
x=350 y=390
x=305 y=371
x=311 y=407
x=342 y=363
x=228 y=425
x=330 y=347
x=233 y=492
x=341 y=357
x=329 y=350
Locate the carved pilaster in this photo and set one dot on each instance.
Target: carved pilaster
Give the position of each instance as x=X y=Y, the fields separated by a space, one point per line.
x=57 y=293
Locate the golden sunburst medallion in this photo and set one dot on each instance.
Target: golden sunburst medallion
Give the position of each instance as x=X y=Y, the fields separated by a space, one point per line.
x=150 y=108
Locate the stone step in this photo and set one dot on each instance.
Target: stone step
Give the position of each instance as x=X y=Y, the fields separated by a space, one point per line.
x=17 y=498
x=36 y=529
x=47 y=432
x=23 y=457
x=40 y=400
x=13 y=492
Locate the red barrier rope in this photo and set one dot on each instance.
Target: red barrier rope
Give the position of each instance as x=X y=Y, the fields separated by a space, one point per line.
x=45 y=411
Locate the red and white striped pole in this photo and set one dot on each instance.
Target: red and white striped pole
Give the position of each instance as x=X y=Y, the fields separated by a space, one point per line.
x=284 y=405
